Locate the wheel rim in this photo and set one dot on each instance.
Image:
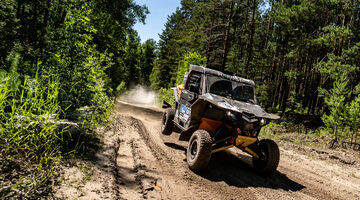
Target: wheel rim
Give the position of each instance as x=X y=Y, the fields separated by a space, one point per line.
x=264 y=156
x=265 y=153
x=193 y=149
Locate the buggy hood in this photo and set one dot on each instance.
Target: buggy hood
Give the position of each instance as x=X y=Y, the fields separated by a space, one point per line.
x=251 y=110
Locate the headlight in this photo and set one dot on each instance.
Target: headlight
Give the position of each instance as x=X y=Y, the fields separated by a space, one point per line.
x=263 y=122
x=231 y=115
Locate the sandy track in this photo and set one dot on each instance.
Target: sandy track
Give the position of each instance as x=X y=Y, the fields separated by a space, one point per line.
x=139 y=163
x=163 y=172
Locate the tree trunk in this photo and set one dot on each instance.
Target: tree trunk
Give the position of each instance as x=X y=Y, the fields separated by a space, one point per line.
x=251 y=37
x=226 y=41
x=244 y=29
x=209 y=49
x=269 y=28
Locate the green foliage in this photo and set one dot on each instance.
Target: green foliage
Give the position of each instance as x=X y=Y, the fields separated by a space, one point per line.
x=190 y=58
x=183 y=33
x=155 y=75
x=166 y=95
x=112 y=21
x=335 y=100
x=29 y=112
x=135 y=65
x=262 y=94
x=121 y=88
x=80 y=68
x=147 y=59
x=289 y=48
x=303 y=55
x=353 y=116
x=60 y=61
x=8 y=28
x=131 y=70
x=293 y=104
x=334 y=67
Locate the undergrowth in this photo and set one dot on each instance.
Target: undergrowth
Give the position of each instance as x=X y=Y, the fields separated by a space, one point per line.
x=301 y=135
x=33 y=137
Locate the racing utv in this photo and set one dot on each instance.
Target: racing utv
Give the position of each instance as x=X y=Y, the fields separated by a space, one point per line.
x=215 y=111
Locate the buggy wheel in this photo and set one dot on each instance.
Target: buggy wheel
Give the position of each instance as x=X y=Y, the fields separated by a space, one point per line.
x=199 y=150
x=167 y=124
x=269 y=160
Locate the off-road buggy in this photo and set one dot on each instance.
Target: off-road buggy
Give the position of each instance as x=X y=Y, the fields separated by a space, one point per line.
x=215 y=111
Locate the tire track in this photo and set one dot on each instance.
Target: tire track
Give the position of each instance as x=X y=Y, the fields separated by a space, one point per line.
x=116 y=172
x=203 y=188
x=229 y=175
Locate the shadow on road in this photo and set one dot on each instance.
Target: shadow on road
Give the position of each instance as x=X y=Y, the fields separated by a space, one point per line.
x=236 y=170
x=175 y=146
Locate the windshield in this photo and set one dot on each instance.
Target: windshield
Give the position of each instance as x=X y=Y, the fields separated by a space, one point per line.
x=230 y=89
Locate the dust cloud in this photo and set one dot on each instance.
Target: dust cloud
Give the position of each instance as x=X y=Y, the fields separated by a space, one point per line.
x=140 y=95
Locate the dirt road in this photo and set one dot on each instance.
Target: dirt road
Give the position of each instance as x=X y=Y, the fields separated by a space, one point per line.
x=148 y=165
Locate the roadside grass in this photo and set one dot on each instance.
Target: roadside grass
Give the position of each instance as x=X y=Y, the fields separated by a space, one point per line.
x=300 y=135
x=86 y=169
x=22 y=177
x=34 y=141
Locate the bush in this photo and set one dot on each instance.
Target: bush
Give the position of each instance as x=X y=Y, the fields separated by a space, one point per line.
x=166 y=95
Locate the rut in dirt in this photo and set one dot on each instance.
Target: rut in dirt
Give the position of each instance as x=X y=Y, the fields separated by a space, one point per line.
x=229 y=175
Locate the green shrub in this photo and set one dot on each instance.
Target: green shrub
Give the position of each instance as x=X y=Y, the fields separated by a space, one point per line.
x=166 y=95
x=335 y=100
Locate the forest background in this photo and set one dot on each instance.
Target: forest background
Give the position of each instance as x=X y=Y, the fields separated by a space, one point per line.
x=62 y=63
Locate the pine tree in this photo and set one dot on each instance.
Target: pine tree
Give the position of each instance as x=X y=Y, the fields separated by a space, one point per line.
x=353 y=116
x=335 y=100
